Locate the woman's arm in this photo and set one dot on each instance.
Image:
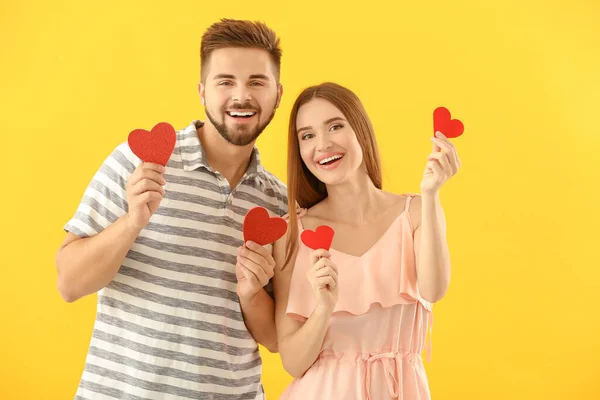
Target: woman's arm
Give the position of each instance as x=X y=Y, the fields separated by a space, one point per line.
x=301 y=342
x=431 y=248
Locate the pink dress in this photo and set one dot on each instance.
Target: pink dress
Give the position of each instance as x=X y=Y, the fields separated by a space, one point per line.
x=378 y=330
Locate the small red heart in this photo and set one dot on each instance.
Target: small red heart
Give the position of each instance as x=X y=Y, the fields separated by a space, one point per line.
x=451 y=128
x=155 y=146
x=321 y=238
x=260 y=228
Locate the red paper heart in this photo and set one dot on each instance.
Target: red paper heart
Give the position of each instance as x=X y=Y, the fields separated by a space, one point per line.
x=320 y=238
x=442 y=122
x=260 y=228
x=155 y=146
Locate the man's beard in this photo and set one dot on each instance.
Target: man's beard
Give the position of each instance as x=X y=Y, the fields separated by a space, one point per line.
x=244 y=134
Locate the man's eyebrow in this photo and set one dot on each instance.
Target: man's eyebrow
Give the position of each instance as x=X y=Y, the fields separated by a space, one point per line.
x=253 y=76
x=259 y=76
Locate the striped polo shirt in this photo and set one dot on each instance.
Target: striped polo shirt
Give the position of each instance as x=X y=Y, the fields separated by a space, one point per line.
x=170 y=326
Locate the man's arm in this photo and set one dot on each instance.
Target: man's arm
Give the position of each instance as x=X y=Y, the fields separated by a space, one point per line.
x=254 y=268
x=86 y=265
x=259 y=317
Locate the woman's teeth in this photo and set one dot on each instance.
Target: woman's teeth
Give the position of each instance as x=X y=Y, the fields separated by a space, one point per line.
x=329 y=159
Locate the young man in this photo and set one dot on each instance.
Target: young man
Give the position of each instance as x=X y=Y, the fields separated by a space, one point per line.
x=163 y=247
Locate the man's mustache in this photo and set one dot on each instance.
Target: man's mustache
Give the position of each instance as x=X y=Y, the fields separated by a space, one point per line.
x=239 y=106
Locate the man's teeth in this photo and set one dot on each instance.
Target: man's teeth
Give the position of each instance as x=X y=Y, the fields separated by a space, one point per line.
x=328 y=159
x=241 y=114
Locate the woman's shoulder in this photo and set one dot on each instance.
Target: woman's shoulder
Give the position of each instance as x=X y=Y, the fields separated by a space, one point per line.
x=314 y=213
x=400 y=197
x=406 y=202
x=300 y=213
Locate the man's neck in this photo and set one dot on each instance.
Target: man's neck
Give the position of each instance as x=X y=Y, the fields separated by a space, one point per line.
x=229 y=160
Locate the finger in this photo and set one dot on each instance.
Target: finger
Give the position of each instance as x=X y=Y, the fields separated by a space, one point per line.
x=320 y=264
x=334 y=267
x=327 y=271
x=252 y=278
x=256 y=270
x=452 y=165
x=249 y=276
x=251 y=257
x=443 y=143
x=261 y=251
x=239 y=273
x=153 y=167
x=141 y=169
x=155 y=176
x=325 y=281
x=437 y=170
x=147 y=197
x=435 y=143
x=317 y=254
x=449 y=148
x=454 y=159
x=255 y=257
x=146 y=185
x=146 y=174
x=453 y=162
x=443 y=160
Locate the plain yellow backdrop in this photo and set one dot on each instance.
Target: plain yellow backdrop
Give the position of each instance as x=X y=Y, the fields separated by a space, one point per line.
x=520 y=320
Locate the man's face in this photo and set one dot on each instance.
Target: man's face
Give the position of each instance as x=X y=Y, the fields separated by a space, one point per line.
x=240 y=93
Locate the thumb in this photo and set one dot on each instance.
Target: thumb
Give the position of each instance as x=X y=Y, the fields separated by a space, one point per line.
x=436 y=148
x=317 y=254
x=239 y=272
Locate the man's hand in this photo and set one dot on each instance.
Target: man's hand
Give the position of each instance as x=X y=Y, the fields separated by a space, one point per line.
x=144 y=194
x=253 y=270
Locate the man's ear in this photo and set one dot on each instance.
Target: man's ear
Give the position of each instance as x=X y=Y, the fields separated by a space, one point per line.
x=279 y=94
x=201 y=93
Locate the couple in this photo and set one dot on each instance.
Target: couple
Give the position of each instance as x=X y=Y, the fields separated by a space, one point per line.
x=183 y=302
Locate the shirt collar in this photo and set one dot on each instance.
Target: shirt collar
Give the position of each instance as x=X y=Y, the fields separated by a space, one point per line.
x=194 y=157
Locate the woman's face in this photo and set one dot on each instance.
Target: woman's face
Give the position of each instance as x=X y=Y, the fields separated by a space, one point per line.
x=328 y=145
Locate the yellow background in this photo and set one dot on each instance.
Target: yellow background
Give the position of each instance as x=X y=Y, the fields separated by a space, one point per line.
x=520 y=320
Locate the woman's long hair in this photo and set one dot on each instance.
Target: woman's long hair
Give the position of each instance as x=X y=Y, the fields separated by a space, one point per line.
x=304 y=189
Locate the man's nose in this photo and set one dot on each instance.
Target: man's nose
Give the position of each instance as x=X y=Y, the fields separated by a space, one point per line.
x=241 y=95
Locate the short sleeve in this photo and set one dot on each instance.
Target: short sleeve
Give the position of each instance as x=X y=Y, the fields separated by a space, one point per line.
x=105 y=198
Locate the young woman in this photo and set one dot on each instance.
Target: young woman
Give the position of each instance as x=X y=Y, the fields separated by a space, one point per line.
x=352 y=322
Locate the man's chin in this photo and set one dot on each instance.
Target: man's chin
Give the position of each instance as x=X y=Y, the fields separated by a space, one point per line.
x=241 y=138
x=237 y=130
